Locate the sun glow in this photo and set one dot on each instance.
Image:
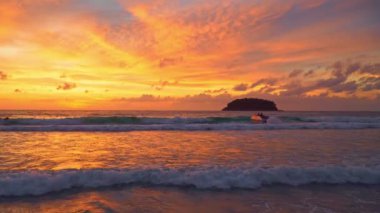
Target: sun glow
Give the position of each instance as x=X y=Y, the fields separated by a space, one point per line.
x=90 y=54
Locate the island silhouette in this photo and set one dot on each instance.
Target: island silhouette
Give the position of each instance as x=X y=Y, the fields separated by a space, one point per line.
x=251 y=104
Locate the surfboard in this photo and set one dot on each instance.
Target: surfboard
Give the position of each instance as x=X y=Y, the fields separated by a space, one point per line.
x=259 y=119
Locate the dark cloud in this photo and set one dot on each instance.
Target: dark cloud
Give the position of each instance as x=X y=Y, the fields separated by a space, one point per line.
x=241 y=87
x=66 y=86
x=369 y=83
x=322 y=102
x=353 y=68
x=267 y=89
x=324 y=94
x=339 y=82
x=336 y=81
x=18 y=91
x=265 y=81
x=337 y=68
x=295 y=73
x=3 y=75
x=340 y=78
x=349 y=87
x=294 y=89
x=330 y=82
x=371 y=69
x=308 y=73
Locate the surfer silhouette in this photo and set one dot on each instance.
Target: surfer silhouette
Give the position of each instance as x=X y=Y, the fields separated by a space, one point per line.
x=259 y=118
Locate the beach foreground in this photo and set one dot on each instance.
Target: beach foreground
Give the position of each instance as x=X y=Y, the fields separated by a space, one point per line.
x=280 y=198
x=217 y=170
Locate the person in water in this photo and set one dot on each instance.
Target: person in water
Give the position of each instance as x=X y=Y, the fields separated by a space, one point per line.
x=261 y=115
x=259 y=118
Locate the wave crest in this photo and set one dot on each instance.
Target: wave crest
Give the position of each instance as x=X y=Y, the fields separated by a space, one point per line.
x=186 y=123
x=186 y=127
x=23 y=183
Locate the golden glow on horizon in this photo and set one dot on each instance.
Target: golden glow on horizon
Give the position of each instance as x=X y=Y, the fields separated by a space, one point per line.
x=58 y=54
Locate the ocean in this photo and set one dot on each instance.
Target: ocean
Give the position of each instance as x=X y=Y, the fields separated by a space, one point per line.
x=173 y=161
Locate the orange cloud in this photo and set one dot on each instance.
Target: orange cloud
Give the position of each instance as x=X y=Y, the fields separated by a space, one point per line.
x=125 y=47
x=3 y=76
x=66 y=86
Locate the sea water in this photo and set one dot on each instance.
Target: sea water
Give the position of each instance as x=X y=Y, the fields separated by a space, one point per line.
x=149 y=161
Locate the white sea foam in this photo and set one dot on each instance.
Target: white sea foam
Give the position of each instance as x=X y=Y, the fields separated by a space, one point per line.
x=188 y=127
x=187 y=123
x=42 y=182
x=185 y=120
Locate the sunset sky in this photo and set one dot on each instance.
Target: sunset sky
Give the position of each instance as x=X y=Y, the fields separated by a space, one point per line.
x=189 y=54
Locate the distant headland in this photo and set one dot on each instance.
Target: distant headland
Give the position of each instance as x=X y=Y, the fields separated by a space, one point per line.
x=251 y=104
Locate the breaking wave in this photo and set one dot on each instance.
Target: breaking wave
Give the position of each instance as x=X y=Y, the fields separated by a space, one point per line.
x=22 y=183
x=186 y=123
x=125 y=120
